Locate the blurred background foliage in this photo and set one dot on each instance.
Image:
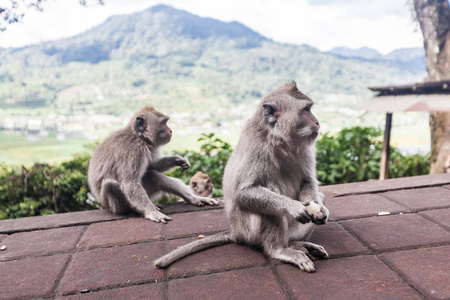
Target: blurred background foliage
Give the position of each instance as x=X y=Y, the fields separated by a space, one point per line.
x=350 y=156
x=354 y=155
x=211 y=160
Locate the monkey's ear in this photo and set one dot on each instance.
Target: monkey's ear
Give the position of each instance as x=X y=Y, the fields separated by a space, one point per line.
x=271 y=113
x=293 y=84
x=140 y=124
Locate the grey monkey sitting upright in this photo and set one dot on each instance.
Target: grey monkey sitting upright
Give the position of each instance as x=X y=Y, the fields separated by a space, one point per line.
x=125 y=171
x=270 y=186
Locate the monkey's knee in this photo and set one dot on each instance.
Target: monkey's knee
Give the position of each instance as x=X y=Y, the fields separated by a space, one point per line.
x=113 y=198
x=300 y=232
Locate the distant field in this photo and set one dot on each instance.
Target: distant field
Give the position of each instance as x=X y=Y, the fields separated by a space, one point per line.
x=411 y=139
x=17 y=150
x=411 y=136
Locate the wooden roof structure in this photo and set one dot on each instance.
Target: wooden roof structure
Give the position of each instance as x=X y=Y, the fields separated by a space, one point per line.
x=425 y=96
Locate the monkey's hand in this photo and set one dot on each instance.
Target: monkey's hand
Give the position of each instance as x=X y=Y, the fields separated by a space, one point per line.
x=318 y=212
x=182 y=162
x=299 y=213
x=157 y=217
x=201 y=201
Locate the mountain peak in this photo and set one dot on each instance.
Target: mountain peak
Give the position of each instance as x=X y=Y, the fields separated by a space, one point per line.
x=162 y=8
x=195 y=26
x=158 y=31
x=363 y=52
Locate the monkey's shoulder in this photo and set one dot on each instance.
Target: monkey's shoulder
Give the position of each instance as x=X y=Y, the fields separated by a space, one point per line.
x=124 y=139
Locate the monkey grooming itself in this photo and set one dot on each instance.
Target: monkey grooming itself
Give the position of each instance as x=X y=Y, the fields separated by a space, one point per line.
x=201 y=184
x=270 y=188
x=126 y=170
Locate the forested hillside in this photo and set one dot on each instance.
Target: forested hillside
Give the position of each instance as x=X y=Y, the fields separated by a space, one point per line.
x=178 y=62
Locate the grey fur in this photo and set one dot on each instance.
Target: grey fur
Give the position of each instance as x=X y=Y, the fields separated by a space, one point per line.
x=268 y=180
x=125 y=171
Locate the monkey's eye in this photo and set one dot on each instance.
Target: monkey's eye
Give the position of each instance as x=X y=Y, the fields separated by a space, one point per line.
x=307 y=108
x=194 y=184
x=164 y=121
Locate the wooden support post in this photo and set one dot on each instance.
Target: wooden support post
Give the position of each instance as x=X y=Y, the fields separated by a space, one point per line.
x=385 y=155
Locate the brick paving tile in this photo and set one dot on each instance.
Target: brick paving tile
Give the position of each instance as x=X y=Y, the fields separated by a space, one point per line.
x=152 y=291
x=110 y=267
x=426 y=269
x=186 y=224
x=397 y=231
x=58 y=220
x=256 y=283
x=365 y=205
x=43 y=242
x=385 y=185
x=447 y=186
x=2 y=237
x=336 y=241
x=226 y=257
x=425 y=198
x=360 y=277
x=440 y=216
x=180 y=207
x=31 y=278
x=120 y=232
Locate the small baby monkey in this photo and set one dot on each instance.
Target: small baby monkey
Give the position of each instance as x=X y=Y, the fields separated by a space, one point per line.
x=201 y=184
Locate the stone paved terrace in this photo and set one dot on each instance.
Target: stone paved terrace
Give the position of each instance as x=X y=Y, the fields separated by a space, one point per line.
x=97 y=255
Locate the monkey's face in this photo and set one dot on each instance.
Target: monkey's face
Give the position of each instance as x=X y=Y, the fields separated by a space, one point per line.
x=151 y=125
x=291 y=118
x=201 y=185
x=164 y=133
x=308 y=126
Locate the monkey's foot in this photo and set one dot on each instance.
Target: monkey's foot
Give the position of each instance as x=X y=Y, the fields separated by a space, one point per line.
x=314 y=250
x=201 y=201
x=296 y=257
x=157 y=217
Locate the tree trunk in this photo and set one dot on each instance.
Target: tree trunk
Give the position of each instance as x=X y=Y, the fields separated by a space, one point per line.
x=434 y=20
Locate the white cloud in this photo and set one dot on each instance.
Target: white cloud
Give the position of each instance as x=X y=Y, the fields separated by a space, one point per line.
x=383 y=24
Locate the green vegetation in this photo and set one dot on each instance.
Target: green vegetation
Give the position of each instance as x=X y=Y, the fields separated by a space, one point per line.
x=354 y=155
x=350 y=156
x=211 y=160
x=45 y=189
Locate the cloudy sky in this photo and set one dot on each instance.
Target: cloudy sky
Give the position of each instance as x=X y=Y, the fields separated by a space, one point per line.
x=380 y=24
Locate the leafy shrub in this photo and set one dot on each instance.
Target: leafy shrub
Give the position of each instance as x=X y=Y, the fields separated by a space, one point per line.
x=350 y=156
x=408 y=165
x=45 y=189
x=354 y=155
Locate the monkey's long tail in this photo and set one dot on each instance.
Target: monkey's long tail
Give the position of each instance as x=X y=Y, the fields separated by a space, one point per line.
x=205 y=243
